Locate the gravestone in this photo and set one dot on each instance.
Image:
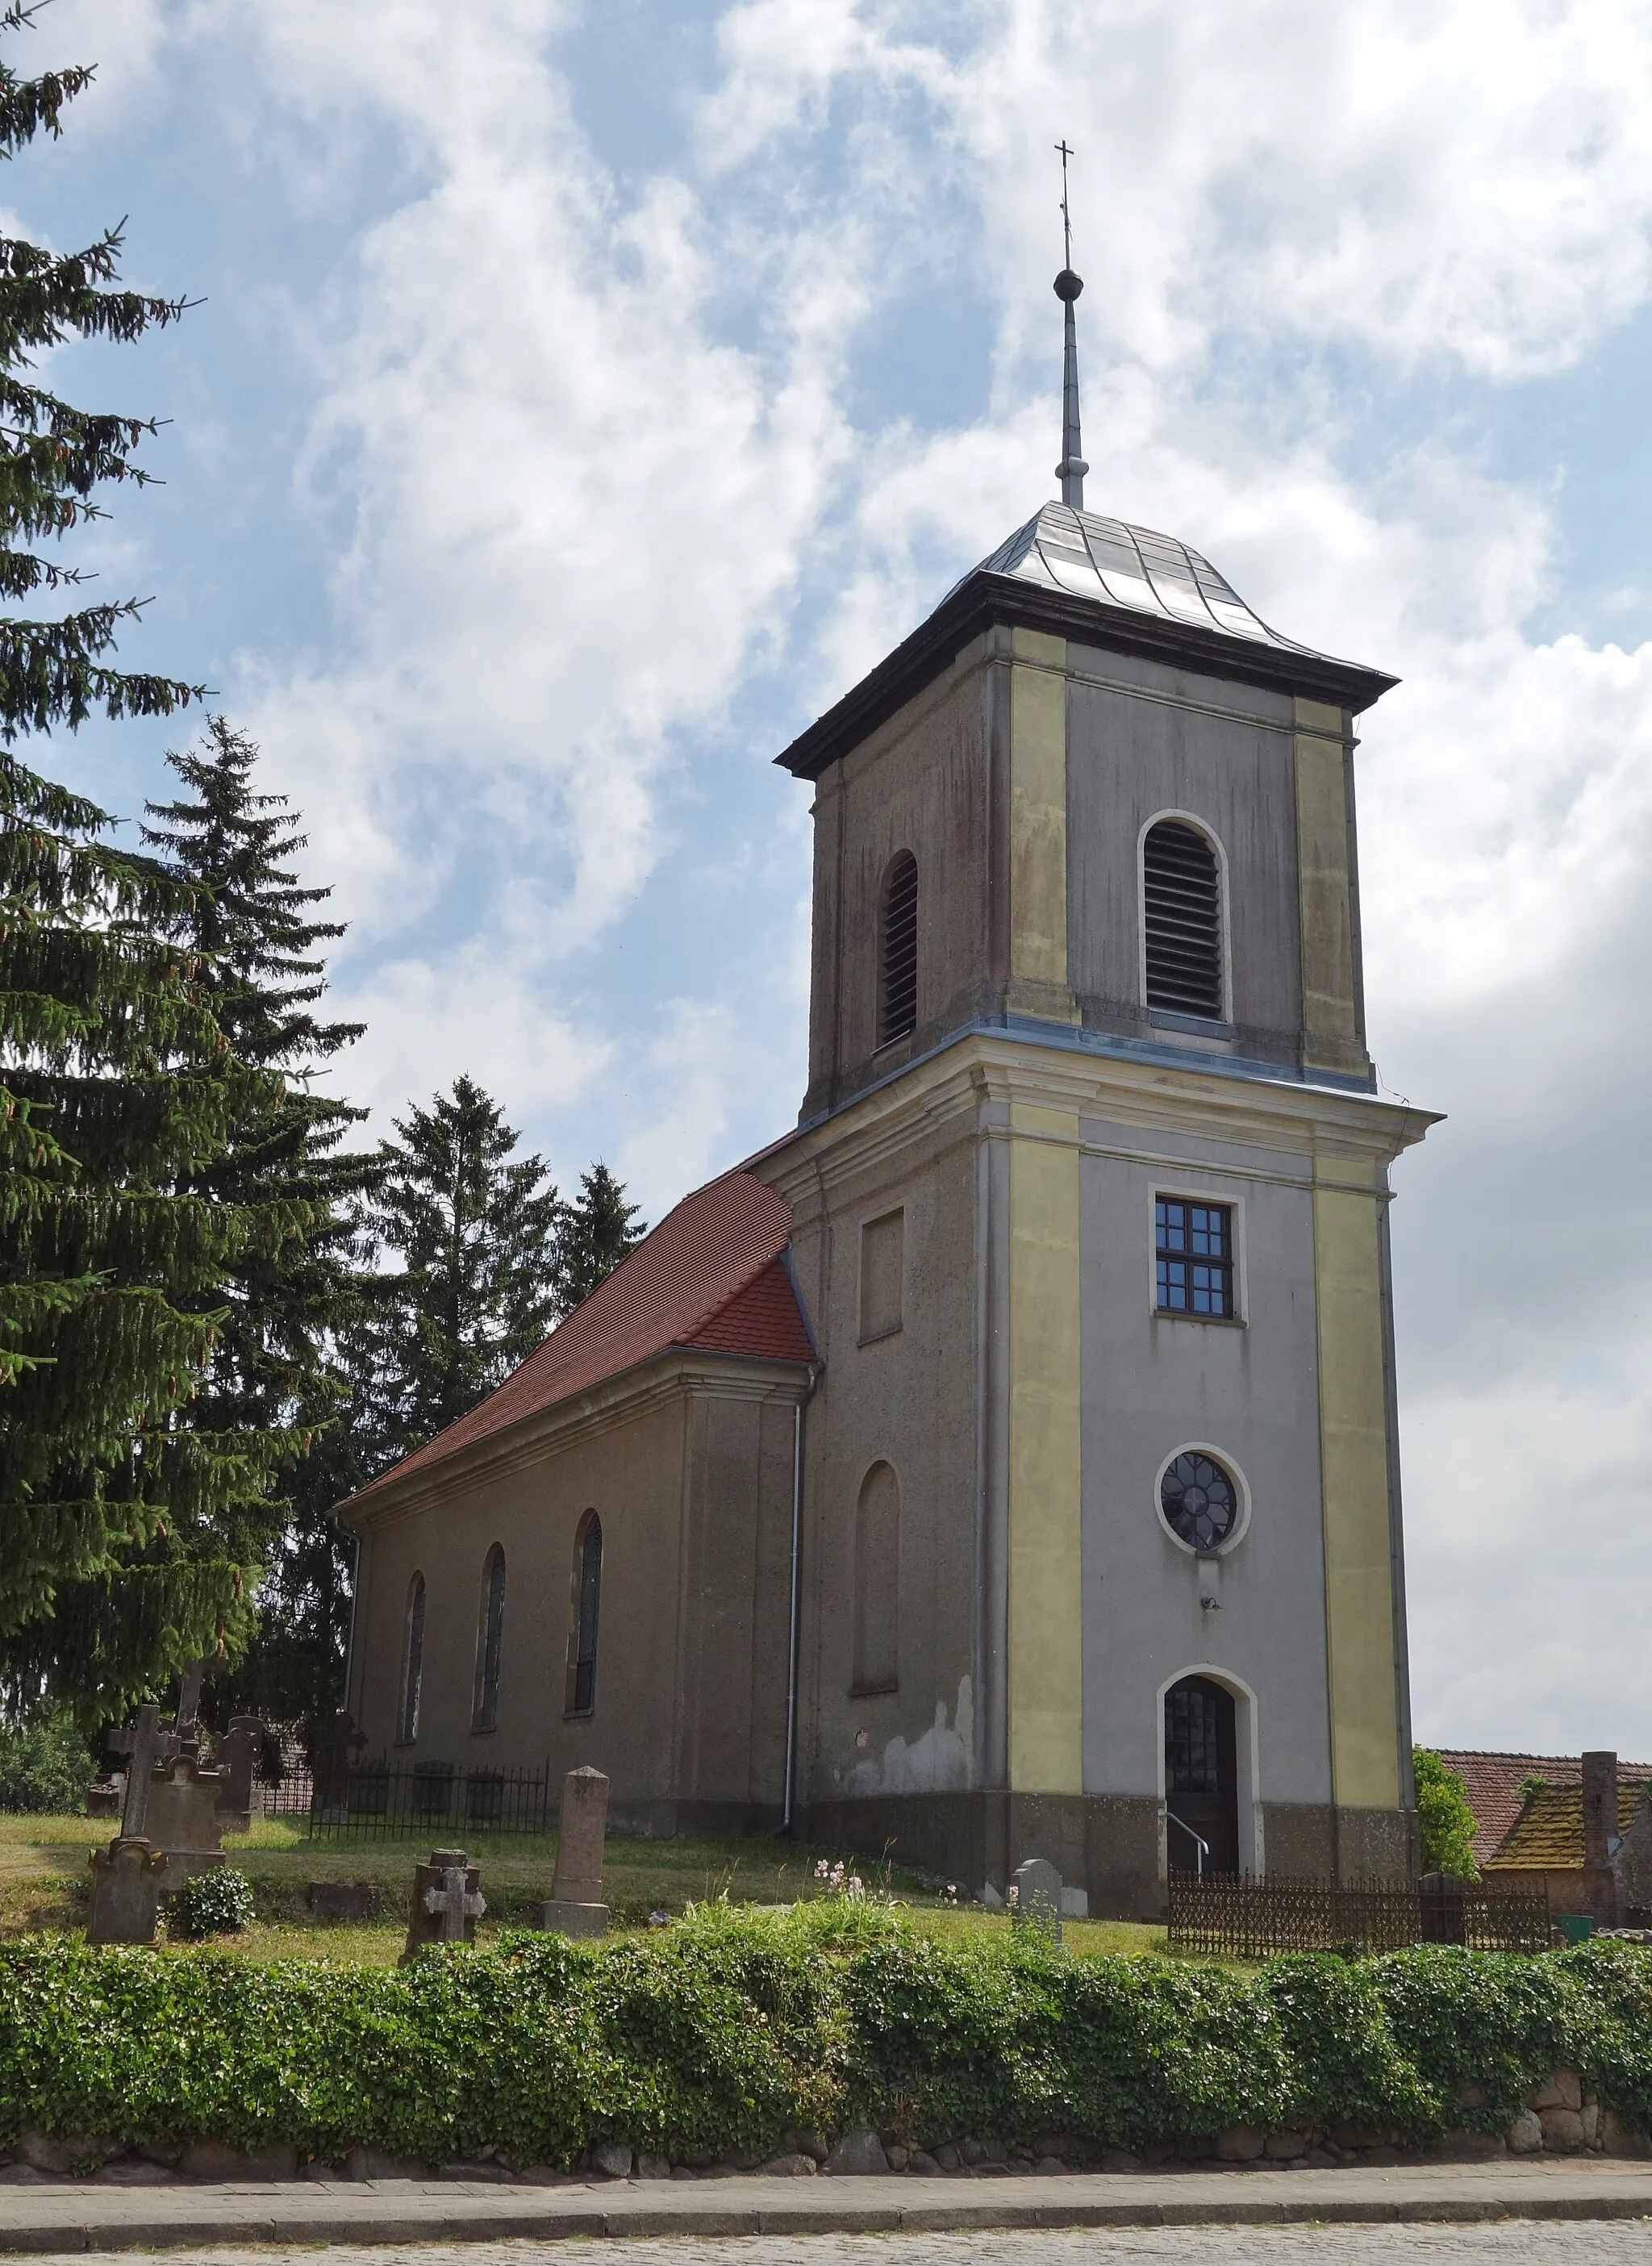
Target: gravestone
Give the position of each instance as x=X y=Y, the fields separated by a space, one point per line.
x=343 y=1899
x=128 y=1878
x=447 y=1901
x=145 y=1744
x=187 y=1720
x=185 y=1822
x=575 y=1905
x=1037 y=1896
x=127 y=1882
x=105 y=1799
x=336 y=1751
x=237 y=1758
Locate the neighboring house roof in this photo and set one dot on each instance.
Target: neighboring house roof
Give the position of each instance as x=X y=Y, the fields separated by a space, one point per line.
x=709 y=1275
x=1493 y=1783
x=1548 y=1837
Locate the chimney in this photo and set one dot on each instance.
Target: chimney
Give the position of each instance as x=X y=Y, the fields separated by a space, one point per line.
x=1600 y=1806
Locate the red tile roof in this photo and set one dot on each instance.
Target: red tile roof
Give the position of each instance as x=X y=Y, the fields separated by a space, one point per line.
x=1493 y=1782
x=711 y=1274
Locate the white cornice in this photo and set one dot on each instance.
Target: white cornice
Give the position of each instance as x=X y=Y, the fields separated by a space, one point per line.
x=972 y=1084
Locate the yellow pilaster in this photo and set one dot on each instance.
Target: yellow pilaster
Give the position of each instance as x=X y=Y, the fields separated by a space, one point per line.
x=1354 y=1458
x=1330 y=1021
x=1038 y=981
x=1046 y=1629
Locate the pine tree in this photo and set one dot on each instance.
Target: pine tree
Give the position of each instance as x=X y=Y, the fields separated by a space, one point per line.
x=276 y=1363
x=595 y=1235
x=476 y=1230
x=125 y=1538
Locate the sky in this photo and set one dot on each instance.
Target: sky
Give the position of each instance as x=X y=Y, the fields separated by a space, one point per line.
x=580 y=398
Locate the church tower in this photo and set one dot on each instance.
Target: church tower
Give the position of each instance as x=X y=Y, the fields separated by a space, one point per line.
x=1100 y=1531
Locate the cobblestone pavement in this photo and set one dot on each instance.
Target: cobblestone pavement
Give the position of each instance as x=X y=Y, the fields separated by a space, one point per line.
x=1512 y=2243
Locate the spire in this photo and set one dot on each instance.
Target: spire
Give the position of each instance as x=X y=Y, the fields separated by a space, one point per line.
x=1071 y=469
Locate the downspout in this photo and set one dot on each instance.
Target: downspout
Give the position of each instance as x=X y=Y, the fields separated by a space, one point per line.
x=355 y=1597
x=794 y=1646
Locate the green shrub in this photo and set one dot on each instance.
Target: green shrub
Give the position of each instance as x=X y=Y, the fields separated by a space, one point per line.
x=725 y=2031
x=215 y=1903
x=1445 y=1822
x=45 y=1768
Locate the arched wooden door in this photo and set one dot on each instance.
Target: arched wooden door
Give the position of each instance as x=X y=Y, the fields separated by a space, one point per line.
x=1201 y=1776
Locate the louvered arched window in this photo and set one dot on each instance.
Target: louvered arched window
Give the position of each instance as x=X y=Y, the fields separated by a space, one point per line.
x=1181 y=902
x=490 y=1639
x=897 y=950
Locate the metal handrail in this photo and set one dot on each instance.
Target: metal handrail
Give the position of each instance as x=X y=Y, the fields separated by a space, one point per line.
x=1203 y=1846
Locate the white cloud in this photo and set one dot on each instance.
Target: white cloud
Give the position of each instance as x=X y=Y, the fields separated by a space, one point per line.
x=1473 y=180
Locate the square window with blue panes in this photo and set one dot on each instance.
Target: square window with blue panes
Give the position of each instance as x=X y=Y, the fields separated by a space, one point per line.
x=1194 y=1247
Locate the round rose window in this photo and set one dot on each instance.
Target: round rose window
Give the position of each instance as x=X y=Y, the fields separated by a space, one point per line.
x=1200 y=1501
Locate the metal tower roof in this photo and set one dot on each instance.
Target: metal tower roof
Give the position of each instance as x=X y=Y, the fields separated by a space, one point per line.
x=1118 y=565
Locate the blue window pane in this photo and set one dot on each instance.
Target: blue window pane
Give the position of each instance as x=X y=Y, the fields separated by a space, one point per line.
x=1193 y=1247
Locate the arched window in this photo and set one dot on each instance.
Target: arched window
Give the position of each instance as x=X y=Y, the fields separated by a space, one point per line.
x=490 y=1635
x=877 y=1581
x=897 y=950
x=1181 y=899
x=587 y=1598
x=412 y=1662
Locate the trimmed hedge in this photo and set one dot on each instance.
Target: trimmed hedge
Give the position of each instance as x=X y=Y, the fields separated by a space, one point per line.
x=732 y=2028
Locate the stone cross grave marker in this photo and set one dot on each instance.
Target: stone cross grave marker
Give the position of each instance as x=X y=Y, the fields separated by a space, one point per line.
x=187 y=1722
x=1037 y=1897
x=447 y=1901
x=575 y=1905
x=145 y=1744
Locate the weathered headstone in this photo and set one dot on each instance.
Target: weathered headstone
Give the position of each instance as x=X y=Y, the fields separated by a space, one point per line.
x=127 y=1880
x=343 y=1899
x=336 y=1751
x=185 y=1822
x=575 y=1905
x=237 y=1759
x=447 y=1901
x=1036 y=1898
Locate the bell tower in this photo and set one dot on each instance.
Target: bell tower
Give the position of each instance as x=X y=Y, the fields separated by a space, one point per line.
x=1090 y=1200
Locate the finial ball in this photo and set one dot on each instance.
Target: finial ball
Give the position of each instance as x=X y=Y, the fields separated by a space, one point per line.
x=1068 y=285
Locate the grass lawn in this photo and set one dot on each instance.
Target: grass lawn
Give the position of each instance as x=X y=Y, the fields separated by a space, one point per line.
x=43 y=1884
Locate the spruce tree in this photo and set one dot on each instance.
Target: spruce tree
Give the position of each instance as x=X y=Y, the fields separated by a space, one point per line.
x=597 y=1233
x=127 y=1540
x=476 y=1228
x=276 y=1364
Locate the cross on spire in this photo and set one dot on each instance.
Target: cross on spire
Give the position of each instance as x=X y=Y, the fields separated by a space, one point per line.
x=1071 y=469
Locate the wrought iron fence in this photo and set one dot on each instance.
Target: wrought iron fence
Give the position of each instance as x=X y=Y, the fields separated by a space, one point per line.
x=392 y=1799
x=290 y=1795
x=1238 y=1917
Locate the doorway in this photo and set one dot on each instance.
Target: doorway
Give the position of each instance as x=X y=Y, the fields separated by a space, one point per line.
x=1201 y=1777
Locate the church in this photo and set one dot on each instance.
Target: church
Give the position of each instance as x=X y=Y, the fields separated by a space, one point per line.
x=1004 y=1463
